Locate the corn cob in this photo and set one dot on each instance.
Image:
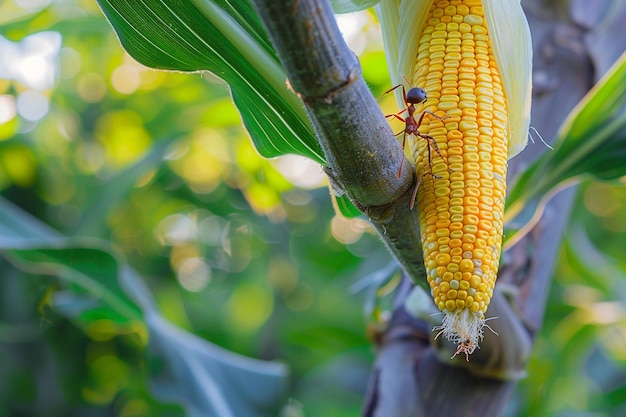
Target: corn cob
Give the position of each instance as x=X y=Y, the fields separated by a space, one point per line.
x=461 y=201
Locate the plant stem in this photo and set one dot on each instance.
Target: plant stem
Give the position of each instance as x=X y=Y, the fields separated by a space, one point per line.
x=363 y=156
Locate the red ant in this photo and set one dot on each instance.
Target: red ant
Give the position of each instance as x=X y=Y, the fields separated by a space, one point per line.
x=414 y=96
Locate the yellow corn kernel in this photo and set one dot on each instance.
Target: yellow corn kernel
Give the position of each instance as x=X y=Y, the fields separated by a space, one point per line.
x=455 y=64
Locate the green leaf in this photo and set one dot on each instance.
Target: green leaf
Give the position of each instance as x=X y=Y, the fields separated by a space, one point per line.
x=227 y=39
x=349 y=6
x=345 y=207
x=225 y=384
x=87 y=264
x=591 y=141
x=113 y=191
x=206 y=379
x=591 y=264
x=91 y=270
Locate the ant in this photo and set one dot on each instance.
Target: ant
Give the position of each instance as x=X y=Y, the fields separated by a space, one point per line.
x=414 y=96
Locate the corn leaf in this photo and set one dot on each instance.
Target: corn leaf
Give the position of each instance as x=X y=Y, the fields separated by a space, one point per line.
x=346 y=208
x=206 y=379
x=590 y=142
x=349 y=6
x=111 y=192
x=226 y=39
x=90 y=270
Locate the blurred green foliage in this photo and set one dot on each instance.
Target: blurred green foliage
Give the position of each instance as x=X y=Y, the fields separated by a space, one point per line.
x=159 y=165
x=244 y=252
x=579 y=361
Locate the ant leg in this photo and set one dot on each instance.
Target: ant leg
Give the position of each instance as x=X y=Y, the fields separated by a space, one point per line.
x=390 y=90
x=414 y=195
x=424 y=113
x=400 y=169
x=403 y=93
x=434 y=115
x=402 y=161
x=402 y=131
x=394 y=134
x=419 y=182
x=432 y=142
x=397 y=116
x=398 y=86
x=421 y=118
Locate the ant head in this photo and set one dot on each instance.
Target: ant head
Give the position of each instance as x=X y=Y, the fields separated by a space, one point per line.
x=416 y=95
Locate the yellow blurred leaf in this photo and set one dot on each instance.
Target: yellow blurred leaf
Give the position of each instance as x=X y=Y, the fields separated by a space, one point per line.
x=123 y=135
x=19 y=165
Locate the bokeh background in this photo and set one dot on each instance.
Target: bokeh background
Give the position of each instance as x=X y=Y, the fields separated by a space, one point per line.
x=244 y=252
